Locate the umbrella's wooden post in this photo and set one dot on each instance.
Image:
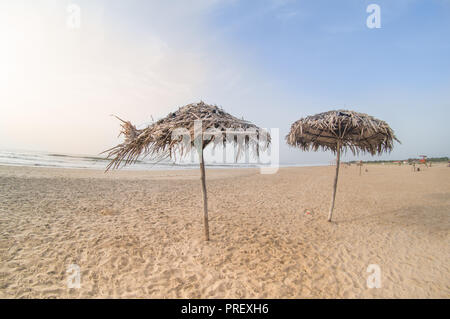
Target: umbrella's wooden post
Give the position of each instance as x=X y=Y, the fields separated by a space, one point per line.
x=338 y=162
x=205 y=198
x=360 y=168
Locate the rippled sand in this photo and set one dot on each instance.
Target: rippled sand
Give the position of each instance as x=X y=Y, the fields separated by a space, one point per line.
x=140 y=234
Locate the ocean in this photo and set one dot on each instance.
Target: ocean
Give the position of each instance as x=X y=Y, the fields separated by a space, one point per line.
x=48 y=159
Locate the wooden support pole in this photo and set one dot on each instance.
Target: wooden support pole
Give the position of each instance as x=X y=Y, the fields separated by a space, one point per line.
x=205 y=198
x=338 y=162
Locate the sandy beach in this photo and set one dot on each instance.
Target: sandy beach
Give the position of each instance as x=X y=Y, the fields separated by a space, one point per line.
x=140 y=234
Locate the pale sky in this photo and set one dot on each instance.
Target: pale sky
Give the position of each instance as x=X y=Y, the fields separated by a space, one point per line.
x=270 y=61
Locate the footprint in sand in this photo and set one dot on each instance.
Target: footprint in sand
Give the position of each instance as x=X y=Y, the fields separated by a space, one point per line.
x=108 y=212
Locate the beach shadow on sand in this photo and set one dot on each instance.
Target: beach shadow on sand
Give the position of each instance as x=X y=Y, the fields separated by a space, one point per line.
x=428 y=217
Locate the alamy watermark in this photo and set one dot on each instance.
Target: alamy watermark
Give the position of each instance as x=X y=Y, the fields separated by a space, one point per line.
x=73 y=20
x=74 y=276
x=374 y=19
x=257 y=147
x=374 y=279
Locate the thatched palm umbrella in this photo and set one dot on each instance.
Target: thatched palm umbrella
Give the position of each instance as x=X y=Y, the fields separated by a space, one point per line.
x=341 y=130
x=197 y=125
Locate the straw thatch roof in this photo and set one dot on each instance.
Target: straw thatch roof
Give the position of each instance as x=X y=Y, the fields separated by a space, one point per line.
x=357 y=132
x=159 y=140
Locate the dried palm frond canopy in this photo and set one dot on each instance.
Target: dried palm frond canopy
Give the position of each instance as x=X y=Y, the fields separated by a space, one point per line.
x=198 y=125
x=163 y=139
x=355 y=131
x=341 y=130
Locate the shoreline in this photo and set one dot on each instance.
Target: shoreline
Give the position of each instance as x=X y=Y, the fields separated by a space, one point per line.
x=168 y=167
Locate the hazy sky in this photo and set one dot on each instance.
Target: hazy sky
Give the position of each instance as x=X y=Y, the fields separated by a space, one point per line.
x=271 y=62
